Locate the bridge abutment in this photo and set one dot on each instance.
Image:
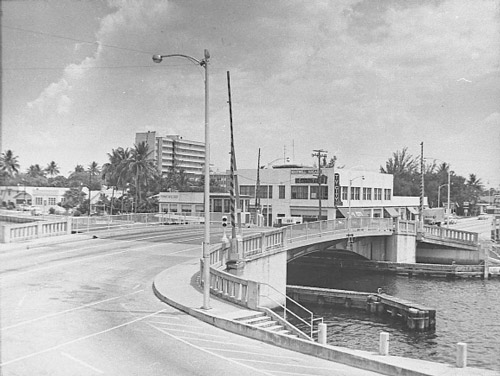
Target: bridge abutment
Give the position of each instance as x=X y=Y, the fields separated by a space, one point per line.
x=401 y=248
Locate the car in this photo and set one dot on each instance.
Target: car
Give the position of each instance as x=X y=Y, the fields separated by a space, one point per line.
x=452 y=220
x=483 y=217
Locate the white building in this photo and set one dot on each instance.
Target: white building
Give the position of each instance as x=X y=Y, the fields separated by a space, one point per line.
x=293 y=192
x=172 y=151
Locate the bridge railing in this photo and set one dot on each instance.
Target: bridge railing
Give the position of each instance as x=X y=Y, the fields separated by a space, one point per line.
x=406 y=227
x=312 y=230
x=33 y=230
x=451 y=234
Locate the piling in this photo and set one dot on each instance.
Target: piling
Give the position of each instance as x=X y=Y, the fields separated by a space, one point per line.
x=461 y=355
x=322 y=333
x=383 y=348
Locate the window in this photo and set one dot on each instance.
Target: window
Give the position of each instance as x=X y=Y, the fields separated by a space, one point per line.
x=355 y=193
x=227 y=205
x=377 y=192
x=38 y=201
x=314 y=192
x=217 y=205
x=344 y=193
x=281 y=192
x=52 y=200
x=387 y=194
x=247 y=190
x=266 y=191
x=367 y=193
x=299 y=192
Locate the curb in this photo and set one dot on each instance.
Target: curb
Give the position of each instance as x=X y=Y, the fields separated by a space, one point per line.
x=387 y=365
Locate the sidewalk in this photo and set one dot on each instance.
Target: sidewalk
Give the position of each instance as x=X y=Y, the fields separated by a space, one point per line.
x=178 y=286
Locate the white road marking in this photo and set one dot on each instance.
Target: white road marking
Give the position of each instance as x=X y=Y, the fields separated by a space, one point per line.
x=81 y=362
x=252 y=353
x=308 y=366
x=209 y=340
x=22 y=300
x=190 y=332
x=68 y=310
x=79 y=339
x=214 y=354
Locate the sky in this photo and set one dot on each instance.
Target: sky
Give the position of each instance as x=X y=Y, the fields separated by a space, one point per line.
x=358 y=79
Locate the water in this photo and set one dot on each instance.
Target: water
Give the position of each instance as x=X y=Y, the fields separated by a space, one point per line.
x=467 y=310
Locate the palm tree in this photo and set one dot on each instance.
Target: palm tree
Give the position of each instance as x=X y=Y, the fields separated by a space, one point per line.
x=142 y=167
x=92 y=170
x=52 y=169
x=35 y=171
x=9 y=166
x=113 y=171
x=404 y=167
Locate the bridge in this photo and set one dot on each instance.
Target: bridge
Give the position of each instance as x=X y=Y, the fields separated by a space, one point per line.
x=257 y=279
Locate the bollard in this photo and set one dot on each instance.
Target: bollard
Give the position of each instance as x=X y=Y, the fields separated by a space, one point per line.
x=322 y=334
x=461 y=355
x=383 y=348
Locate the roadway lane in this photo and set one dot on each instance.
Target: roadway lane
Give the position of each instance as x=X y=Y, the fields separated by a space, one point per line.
x=87 y=308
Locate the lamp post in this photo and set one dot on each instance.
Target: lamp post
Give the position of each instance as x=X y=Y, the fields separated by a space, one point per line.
x=206 y=244
x=439 y=194
x=449 y=189
x=349 y=194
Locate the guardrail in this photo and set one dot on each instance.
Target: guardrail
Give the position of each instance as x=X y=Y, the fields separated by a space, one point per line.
x=437 y=232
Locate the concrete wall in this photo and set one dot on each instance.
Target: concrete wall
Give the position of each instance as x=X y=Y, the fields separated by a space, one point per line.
x=270 y=270
x=435 y=254
x=401 y=248
x=373 y=248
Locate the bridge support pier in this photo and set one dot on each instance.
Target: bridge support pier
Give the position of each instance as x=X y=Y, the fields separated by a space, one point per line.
x=401 y=248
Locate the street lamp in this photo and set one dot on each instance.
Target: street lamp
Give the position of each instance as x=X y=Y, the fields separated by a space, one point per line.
x=449 y=189
x=349 y=194
x=439 y=194
x=206 y=244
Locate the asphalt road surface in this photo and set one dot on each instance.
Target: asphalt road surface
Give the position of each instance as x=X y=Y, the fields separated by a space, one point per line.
x=86 y=307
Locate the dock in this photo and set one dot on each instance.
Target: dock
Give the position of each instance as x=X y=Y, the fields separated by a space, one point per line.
x=413 y=315
x=414 y=269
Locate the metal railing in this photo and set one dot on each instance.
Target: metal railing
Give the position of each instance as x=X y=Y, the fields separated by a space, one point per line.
x=311 y=323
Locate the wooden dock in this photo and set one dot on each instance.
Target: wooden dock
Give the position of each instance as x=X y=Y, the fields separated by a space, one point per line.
x=410 y=269
x=414 y=316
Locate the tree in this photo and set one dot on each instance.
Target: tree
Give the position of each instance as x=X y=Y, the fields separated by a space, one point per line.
x=141 y=167
x=52 y=169
x=114 y=172
x=9 y=164
x=404 y=167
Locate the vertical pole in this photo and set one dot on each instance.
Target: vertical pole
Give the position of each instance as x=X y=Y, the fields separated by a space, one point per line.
x=257 y=189
x=206 y=243
x=449 y=190
x=383 y=348
x=421 y=185
x=461 y=355
x=322 y=333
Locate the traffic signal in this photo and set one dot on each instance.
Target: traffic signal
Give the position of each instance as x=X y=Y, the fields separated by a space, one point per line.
x=224 y=221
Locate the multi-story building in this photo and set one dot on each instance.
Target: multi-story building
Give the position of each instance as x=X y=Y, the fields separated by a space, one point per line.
x=172 y=151
x=293 y=193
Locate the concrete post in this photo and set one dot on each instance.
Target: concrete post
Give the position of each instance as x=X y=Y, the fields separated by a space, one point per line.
x=383 y=348
x=461 y=355
x=322 y=333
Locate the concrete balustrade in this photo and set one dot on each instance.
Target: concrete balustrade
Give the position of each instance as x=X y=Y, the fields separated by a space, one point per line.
x=25 y=231
x=452 y=234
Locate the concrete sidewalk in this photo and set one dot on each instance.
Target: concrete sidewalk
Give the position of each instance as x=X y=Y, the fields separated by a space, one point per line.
x=178 y=286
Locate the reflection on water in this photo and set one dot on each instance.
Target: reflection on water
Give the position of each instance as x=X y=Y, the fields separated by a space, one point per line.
x=468 y=310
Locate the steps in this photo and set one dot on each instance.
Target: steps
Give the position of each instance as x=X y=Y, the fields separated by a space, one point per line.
x=262 y=321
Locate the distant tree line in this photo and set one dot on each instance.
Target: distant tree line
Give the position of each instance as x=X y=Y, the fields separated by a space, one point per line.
x=407 y=181
x=130 y=173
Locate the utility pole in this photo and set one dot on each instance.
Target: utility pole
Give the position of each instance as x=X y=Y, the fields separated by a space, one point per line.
x=422 y=172
x=257 y=191
x=320 y=153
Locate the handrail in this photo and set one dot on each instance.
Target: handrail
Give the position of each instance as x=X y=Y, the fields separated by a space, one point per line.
x=309 y=324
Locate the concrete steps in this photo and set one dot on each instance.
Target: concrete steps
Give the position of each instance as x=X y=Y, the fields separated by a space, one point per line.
x=262 y=321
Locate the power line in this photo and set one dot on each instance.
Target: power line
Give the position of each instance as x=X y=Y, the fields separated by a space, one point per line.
x=75 y=39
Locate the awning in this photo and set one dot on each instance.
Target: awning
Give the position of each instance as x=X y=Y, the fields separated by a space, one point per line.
x=412 y=210
x=344 y=212
x=392 y=212
x=354 y=212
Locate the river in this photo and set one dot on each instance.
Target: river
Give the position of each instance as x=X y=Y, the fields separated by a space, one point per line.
x=467 y=310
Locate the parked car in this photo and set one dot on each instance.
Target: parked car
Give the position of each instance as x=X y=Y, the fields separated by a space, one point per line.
x=451 y=220
x=483 y=217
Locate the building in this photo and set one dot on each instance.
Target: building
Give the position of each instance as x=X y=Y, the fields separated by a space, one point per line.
x=293 y=193
x=40 y=198
x=172 y=151
x=191 y=204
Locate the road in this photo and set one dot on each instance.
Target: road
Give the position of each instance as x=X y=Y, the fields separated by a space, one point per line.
x=86 y=307
x=472 y=224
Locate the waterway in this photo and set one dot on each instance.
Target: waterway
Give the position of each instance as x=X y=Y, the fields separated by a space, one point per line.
x=468 y=310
